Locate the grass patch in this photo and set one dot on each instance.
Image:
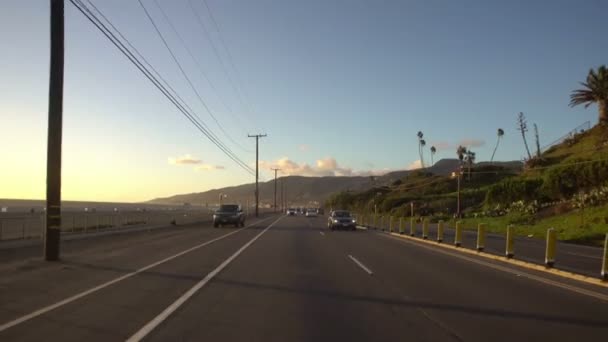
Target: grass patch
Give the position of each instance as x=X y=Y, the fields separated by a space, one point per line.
x=588 y=226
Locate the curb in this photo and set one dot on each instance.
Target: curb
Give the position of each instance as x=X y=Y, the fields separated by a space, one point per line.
x=524 y=264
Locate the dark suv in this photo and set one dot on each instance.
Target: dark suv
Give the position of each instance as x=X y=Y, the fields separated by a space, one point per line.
x=229 y=214
x=341 y=219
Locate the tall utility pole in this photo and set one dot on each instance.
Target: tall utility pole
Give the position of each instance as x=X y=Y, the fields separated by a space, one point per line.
x=55 y=121
x=283 y=195
x=257 y=165
x=275 y=188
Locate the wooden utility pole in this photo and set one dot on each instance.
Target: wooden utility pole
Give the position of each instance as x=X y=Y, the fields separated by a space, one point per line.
x=257 y=166
x=55 y=121
x=275 y=188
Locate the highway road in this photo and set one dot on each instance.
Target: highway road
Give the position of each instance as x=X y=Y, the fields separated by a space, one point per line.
x=286 y=279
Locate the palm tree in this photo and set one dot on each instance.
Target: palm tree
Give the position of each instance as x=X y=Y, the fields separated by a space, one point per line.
x=595 y=90
x=470 y=160
x=461 y=151
x=499 y=135
x=433 y=151
x=421 y=143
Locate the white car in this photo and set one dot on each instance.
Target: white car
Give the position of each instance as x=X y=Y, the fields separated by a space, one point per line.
x=311 y=213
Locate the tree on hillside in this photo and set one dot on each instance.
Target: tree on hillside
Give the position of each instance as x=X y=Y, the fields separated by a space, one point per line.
x=461 y=151
x=522 y=126
x=421 y=143
x=433 y=151
x=469 y=159
x=595 y=91
x=537 y=139
x=500 y=133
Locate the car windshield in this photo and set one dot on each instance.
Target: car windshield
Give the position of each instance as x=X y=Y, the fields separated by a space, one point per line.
x=228 y=207
x=341 y=213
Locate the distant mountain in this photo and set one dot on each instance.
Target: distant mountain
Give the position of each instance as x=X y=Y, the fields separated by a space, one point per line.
x=301 y=190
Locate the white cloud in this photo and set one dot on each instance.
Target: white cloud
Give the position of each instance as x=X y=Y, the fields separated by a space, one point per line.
x=304 y=148
x=442 y=145
x=415 y=165
x=208 y=167
x=472 y=142
x=321 y=168
x=186 y=159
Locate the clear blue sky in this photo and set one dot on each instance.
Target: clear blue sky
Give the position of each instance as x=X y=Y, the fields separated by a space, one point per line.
x=350 y=81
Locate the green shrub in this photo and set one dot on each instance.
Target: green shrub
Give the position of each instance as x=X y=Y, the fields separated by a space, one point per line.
x=565 y=181
x=513 y=189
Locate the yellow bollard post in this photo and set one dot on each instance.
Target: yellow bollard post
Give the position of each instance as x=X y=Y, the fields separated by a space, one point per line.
x=605 y=260
x=440 y=231
x=390 y=225
x=401 y=225
x=481 y=237
x=550 y=250
x=458 y=235
x=510 y=250
x=425 y=228
x=412 y=226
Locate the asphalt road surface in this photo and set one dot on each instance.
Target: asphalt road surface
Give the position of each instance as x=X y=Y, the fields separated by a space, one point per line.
x=581 y=259
x=287 y=279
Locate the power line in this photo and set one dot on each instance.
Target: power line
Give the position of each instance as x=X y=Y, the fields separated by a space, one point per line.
x=135 y=61
x=200 y=68
x=217 y=55
x=198 y=95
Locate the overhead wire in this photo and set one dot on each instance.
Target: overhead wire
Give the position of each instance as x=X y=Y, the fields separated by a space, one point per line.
x=183 y=72
x=195 y=120
x=201 y=23
x=203 y=73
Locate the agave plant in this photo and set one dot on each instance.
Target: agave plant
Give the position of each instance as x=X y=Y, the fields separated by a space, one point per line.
x=595 y=91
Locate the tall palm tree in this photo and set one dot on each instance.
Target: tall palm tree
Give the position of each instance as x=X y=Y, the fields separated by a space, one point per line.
x=595 y=90
x=470 y=160
x=461 y=151
x=499 y=135
x=421 y=143
x=433 y=151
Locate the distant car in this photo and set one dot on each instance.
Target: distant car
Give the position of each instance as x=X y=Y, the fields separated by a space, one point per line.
x=311 y=213
x=341 y=219
x=291 y=212
x=229 y=214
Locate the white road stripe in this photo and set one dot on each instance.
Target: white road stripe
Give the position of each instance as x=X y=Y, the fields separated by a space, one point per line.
x=146 y=329
x=360 y=264
x=113 y=281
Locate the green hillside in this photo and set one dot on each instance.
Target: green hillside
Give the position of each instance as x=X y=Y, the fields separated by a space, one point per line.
x=566 y=188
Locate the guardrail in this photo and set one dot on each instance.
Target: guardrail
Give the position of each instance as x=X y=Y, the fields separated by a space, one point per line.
x=31 y=226
x=375 y=222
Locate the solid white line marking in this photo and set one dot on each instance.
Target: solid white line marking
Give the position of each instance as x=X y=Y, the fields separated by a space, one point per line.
x=146 y=329
x=113 y=281
x=360 y=264
x=322 y=233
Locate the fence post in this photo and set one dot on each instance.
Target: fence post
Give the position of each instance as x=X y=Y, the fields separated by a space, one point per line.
x=440 y=231
x=401 y=225
x=605 y=260
x=458 y=235
x=510 y=250
x=425 y=228
x=481 y=237
x=550 y=250
x=412 y=226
